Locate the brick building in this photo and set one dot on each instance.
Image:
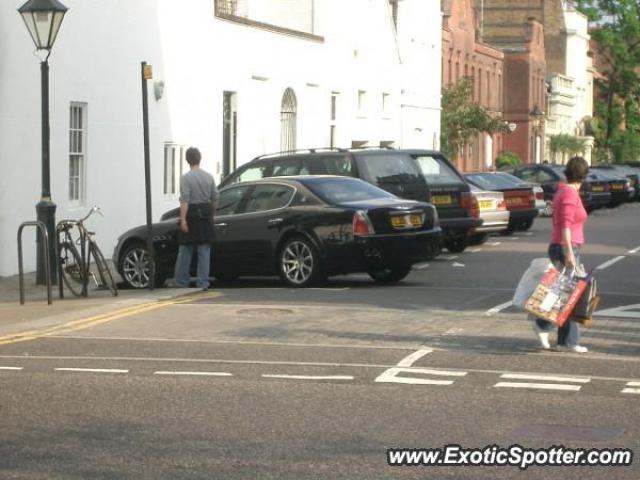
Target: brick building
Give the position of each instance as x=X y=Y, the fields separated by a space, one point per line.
x=464 y=54
x=523 y=43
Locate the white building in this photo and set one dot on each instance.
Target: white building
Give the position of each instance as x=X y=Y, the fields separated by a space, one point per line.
x=236 y=78
x=570 y=99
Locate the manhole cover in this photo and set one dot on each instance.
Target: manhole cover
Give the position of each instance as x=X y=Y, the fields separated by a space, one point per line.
x=273 y=312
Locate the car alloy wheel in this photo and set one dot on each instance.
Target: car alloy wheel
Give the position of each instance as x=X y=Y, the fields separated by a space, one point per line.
x=135 y=266
x=298 y=262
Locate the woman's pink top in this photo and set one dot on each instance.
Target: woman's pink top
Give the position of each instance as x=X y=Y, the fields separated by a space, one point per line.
x=568 y=212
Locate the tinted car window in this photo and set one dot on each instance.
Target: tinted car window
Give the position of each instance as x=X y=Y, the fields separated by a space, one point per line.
x=545 y=177
x=255 y=172
x=268 y=197
x=490 y=182
x=390 y=169
x=289 y=166
x=229 y=200
x=337 y=190
x=338 y=165
x=560 y=172
x=529 y=175
x=435 y=170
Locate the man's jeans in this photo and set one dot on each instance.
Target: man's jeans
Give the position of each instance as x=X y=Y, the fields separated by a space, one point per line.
x=569 y=333
x=183 y=264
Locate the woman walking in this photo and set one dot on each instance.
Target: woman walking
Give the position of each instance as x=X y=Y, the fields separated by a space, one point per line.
x=567 y=239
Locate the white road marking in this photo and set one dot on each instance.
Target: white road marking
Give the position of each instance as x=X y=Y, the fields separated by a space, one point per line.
x=633 y=384
x=550 y=378
x=635 y=250
x=542 y=386
x=311 y=377
x=453 y=331
x=514 y=238
x=475 y=250
x=409 y=360
x=448 y=257
x=631 y=390
x=494 y=244
x=10 y=368
x=420 y=266
x=528 y=234
x=608 y=263
x=205 y=374
x=621 y=312
x=499 y=308
x=456 y=264
x=389 y=376
x=92 y=370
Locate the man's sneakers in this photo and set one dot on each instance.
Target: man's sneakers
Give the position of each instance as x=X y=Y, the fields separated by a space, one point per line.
x=574 y=348
x=543 y=336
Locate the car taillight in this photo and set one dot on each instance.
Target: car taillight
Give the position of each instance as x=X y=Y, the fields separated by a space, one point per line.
x=502 y=204
x=361 y=224
x=470 y=202
x=532 y=199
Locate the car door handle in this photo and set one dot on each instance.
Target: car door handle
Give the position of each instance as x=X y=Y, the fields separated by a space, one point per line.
x=275 y=221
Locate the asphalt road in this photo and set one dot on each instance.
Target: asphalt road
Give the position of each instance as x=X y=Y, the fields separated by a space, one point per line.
x=269 y=382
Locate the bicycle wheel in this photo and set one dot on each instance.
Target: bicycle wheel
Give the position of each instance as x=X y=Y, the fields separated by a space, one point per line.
x=71 y=267
x=103 y=268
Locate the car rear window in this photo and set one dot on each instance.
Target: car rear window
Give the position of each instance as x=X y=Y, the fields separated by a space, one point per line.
x=491 y=181
x=388 y=169
x=343 y=190
x=435 y=170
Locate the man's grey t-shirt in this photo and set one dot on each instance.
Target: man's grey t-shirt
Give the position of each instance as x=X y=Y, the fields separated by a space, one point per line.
x=198 y=186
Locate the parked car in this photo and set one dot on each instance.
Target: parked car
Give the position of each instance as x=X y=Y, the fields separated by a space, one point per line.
x=538 y=192
x=593 y=192
x=422 y=175
x=493 y=212
x=300 y=228
x=618 y=186
x=519 y=198
x=625 y=171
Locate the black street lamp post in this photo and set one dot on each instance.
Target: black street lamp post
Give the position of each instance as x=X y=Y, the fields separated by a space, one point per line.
x=43 y=19
x=536 y=121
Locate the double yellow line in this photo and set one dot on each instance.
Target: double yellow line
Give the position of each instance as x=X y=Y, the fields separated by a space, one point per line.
x=104 y=318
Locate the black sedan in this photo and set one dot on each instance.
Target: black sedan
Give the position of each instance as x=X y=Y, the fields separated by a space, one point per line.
x=300 y=228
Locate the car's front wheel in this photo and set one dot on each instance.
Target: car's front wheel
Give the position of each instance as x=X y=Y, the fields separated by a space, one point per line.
x=134 y=267
x=298 y=263
x=390 y=275
x=456 y=245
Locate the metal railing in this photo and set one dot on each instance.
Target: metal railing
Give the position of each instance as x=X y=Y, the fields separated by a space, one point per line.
x=43 y=230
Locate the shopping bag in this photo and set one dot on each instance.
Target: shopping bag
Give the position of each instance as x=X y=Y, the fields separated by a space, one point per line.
x=556 y=296
x=530 y=280
x=587 y=303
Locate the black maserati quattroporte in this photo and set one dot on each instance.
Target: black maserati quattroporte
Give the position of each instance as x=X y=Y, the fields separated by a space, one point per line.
x=301 y=228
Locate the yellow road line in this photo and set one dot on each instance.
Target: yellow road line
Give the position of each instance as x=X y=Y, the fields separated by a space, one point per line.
x=88 y=322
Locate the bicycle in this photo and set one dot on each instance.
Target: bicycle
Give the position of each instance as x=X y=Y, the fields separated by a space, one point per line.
x=75 y=267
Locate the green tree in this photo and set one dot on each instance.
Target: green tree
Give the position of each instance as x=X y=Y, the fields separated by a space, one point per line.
x=507 y=159
x=566 y=145
x=462 y=119
x=617 y=35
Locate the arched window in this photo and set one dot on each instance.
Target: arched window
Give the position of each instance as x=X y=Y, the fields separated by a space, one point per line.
x=288 y=120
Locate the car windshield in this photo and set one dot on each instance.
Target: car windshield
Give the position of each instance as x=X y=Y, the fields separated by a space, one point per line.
x=345 y=190
x=559 y=171
x=511 y=178
x=435 y=170
x=490 y=181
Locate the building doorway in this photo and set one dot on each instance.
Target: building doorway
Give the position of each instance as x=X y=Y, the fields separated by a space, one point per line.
x=288 y=119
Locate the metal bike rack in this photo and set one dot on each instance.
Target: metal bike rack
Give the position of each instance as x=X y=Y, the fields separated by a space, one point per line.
x=43 y=230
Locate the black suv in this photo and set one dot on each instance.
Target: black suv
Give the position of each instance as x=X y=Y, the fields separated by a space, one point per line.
x=423 y=175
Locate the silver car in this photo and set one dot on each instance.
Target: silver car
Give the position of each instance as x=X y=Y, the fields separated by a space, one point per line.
x=493 y=212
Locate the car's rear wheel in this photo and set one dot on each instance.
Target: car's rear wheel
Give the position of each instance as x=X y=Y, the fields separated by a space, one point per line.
x=456 y=245
x=526 y=225
x=390 y=275
x=298 y=263
x=478 y=238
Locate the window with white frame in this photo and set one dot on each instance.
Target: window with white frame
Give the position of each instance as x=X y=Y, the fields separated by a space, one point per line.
x=77 y=151
x=386 y=98
x=362 y=102
x=173 y=167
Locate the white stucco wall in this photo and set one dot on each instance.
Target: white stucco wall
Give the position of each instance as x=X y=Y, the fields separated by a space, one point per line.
x=97 y=58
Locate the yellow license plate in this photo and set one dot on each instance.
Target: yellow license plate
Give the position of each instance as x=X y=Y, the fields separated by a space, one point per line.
x=514 y=201
x=441 y=199
x=485 y=204
x=618 y=187
x=402 y=221
x=597 y=189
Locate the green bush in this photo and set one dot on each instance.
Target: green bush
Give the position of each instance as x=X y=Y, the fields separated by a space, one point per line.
x=507 y=159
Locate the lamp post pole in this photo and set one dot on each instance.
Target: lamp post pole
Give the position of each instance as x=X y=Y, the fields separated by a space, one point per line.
x=46 y=208
x=43 y=19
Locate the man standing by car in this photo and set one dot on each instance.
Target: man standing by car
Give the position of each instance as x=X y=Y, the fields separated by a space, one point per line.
x=198 y=197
